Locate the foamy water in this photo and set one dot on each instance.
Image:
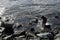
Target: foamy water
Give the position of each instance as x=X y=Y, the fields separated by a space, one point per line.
x=20 y=8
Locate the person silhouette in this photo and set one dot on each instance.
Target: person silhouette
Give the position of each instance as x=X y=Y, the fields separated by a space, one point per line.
x=47 y=27
x=44 y=20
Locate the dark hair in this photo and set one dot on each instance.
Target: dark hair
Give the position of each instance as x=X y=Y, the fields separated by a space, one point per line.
x=44 y=19
x=42 y=16
x=48 y=26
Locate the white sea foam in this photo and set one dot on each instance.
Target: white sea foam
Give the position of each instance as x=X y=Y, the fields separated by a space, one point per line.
x=2 y=10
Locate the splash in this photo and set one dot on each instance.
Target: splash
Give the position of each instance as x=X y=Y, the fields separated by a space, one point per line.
x=2 y=10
